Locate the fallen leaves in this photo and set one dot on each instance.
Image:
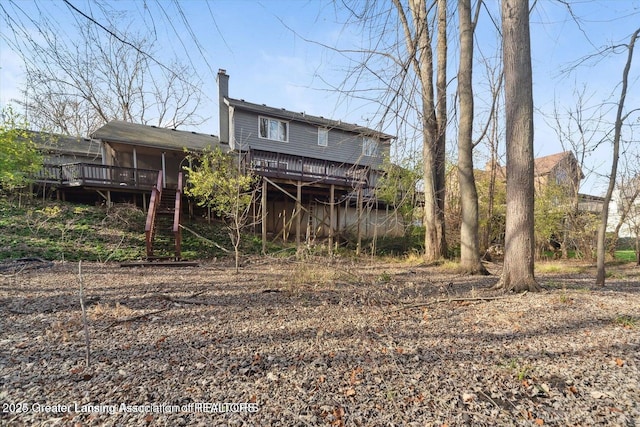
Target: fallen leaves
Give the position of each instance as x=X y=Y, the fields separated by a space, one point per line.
x=512 y=360
x=355 y=376
x=468 y=397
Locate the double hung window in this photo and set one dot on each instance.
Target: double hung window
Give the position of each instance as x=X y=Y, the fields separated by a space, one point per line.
x=369 y=146
x=274 y=129
x=323 y=137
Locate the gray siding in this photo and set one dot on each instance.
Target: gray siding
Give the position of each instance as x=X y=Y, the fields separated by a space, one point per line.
x=343 y=147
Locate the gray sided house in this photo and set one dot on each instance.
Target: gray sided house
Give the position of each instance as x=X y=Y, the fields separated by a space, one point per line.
x=317 y=175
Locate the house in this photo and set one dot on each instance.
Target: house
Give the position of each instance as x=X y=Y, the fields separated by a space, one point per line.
x=317 y=175
x=58 y=151
x=624 y=209
x=561 y=169
x=559 y=172
x=61 y=149
x=119 y=162
x=141 y=147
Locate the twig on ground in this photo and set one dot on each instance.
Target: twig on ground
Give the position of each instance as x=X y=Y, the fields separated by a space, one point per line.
x=443 y=300
x=133 y=318
x=184 y=300
x=84 y=318
x=195 y=294
x=18 y=311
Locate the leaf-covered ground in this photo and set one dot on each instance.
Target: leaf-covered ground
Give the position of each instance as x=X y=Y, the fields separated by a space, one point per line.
x=288 y=343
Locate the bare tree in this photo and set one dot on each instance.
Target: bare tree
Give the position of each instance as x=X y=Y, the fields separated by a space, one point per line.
x=469 y=229
x=432 y=113
x=77 y=83
x=518 y=273
x=578 y=130
x=492 y=135
x=621 y=116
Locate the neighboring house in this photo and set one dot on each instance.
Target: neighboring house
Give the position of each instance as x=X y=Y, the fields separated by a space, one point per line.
x=317 y=174
x=560 y=169
x=625 y=201
x=590 y=204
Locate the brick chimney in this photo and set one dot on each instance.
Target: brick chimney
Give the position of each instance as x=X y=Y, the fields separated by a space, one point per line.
x=223 y=92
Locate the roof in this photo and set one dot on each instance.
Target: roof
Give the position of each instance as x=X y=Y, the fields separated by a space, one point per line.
x=63 y=144
x=544 y=165
x=307 y=118
x=155 y=137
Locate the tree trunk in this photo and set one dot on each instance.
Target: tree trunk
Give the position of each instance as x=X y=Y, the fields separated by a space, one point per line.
x=602 y=230
x=469 y=230
x=441 y=119
x=518 y=274
x=422 y=60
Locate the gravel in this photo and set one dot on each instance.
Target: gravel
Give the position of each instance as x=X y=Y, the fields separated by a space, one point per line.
x=331 y=343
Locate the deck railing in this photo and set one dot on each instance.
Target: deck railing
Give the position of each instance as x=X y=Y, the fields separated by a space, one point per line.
x=94 y=175
x=177 y=231
x=149 y=227
x=306 y=169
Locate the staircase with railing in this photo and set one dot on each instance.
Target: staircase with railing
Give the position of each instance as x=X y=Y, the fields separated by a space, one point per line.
x=163 y=234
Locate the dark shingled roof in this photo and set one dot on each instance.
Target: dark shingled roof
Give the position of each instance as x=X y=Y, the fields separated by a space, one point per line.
x=155 y=137
x=63 y=144
x=281 y=113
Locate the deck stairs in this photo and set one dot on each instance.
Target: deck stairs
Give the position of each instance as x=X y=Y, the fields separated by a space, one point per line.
x=163 y=234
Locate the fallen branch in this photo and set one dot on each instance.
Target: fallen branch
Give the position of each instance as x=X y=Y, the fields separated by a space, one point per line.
x=133 y=318
x=443 y=300
x=84 y=318
x=206 y=240
x=184 y=300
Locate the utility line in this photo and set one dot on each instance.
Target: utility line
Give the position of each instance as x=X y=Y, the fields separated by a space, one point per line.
x=123 y=41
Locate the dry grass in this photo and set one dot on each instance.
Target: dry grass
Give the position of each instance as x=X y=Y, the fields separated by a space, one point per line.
x=561 y=267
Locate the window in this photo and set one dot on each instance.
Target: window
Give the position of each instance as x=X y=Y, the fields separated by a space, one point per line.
x=273 y=129
x=323 y=137
x=562 y=177
x=369 y=147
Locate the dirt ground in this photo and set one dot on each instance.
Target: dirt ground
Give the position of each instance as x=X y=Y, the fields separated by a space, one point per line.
x=316 y=342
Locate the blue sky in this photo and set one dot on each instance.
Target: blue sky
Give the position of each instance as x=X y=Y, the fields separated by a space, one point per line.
x=262 y=46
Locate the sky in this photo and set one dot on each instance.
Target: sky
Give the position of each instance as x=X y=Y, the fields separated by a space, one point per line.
x=279 y=53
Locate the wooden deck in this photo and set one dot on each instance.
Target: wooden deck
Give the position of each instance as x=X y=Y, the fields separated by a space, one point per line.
x=99 y=176
x=285 y=166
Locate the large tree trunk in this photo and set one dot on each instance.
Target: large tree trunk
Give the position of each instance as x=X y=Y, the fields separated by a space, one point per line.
x=602 y=230
x=441 y=118
x=518 y=274
x=469 y=235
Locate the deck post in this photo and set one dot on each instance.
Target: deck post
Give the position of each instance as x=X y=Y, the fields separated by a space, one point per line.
x=263 y=214
x=298 y=213
x=332 y=213
x=164 y=171
x=359 y=220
